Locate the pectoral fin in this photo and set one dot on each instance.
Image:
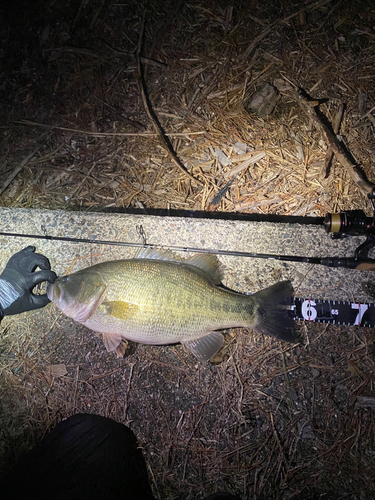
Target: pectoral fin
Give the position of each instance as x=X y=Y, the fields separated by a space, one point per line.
x=115 y=342
x=119 y=309
x=205 y=347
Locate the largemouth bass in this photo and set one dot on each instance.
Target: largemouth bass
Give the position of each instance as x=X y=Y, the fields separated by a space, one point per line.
x=159 y=299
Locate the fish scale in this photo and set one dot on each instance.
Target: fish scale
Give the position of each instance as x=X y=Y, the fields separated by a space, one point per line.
x=163 y=300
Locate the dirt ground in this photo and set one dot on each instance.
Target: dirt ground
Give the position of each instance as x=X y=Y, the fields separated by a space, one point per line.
x=87 y=88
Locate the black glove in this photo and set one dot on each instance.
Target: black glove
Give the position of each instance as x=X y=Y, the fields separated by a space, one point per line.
x=19 y=278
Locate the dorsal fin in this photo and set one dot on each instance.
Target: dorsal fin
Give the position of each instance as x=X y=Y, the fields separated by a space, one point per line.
x=209 y=263
x=156 y=253
x=206 y=262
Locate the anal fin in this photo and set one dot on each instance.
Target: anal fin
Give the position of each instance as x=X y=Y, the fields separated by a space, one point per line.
x=205 y=347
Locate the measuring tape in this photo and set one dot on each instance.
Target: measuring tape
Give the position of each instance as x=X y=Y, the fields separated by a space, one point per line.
x=338 y=312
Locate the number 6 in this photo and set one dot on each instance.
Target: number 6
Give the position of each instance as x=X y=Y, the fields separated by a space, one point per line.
x=308 y=310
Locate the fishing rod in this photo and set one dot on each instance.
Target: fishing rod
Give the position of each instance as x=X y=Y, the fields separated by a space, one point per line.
x=340 y=225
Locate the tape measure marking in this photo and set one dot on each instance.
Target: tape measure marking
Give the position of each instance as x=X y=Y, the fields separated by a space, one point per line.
x=339 y=312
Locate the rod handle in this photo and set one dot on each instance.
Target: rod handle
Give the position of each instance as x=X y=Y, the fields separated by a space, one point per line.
x=349 y=262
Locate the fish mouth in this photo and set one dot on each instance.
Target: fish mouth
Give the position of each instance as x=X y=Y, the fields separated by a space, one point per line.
x=53 y=291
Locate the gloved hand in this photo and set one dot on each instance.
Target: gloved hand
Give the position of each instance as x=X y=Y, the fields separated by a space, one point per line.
x=18 y=280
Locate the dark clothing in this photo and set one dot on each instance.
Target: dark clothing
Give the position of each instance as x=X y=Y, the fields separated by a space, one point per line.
x=86 y=457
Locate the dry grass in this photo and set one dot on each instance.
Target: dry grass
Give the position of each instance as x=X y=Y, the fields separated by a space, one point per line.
x=268 y=422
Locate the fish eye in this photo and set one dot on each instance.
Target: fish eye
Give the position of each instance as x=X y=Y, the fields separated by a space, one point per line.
x=64 y=279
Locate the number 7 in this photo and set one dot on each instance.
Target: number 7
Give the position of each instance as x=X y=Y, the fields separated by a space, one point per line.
x=362 y=308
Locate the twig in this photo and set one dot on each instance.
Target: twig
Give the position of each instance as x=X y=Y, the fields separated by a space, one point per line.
x=323 y=23
x=91 y=53
x=275 y=433
x=365 y=402
x=33 y=366
x=329 y=154
x=126 y=406
x=287 y=87
x=104 y=134
x=23 y=163
x=270 y=28
x=369 y=115
x=103 y=375
x=75 y=389
x=154 y=120
x=172 y=12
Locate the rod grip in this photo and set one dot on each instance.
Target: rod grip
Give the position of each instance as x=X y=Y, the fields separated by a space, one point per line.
x=349 y=262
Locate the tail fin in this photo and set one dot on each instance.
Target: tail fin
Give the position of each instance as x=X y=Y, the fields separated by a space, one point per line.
x=274 y=318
